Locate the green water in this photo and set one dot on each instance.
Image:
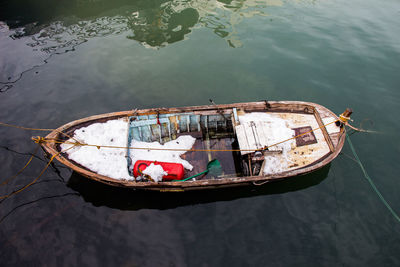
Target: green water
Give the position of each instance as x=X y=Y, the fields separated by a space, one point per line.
x=64 y=60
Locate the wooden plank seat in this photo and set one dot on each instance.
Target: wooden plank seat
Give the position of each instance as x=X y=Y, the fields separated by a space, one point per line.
x=255 y=135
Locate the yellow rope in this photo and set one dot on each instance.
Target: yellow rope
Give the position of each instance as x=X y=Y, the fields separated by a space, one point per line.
x=345 y=121
x=25 y=128
x=39 y=140
x=343 y=118
x=37 y=178
x=360 y=130
x=35 y=129
x=21 y=170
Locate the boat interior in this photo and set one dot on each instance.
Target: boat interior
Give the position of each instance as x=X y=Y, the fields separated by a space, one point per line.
x=212 y=132
x=246 y=145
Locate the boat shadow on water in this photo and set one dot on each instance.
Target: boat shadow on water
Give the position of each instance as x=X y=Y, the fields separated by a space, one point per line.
x=100 y=194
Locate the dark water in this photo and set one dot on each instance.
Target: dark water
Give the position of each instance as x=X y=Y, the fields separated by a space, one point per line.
x=64 y=60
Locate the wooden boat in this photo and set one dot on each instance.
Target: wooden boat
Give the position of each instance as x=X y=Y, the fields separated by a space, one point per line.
x=244 y=148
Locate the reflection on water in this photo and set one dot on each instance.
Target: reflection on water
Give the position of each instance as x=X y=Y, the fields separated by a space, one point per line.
x=159 y=27
x=33 y=45
x=126 y=199
x=154 y=24
x=41 y=34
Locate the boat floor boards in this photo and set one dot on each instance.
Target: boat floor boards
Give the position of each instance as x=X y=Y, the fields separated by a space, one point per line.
x=199 y=159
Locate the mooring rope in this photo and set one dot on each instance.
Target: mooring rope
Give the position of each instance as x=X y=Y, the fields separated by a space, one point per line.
x=37 y=178
x=368 y=178
x=345 y=121
x=21 y=170
x=25 y=128
x=35 y=129
x=360 y=129
x=40 y=140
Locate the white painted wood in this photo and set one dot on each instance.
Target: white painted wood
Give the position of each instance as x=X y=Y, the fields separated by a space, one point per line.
x=262 y=133
x=250 y=136
x=254 y=135
x=331 y=128
x=242 y=139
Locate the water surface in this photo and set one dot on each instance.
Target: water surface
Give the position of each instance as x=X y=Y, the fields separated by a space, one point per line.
x=64 y=60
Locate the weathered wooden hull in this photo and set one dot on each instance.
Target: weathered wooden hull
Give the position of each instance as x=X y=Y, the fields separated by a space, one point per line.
x=333 y=141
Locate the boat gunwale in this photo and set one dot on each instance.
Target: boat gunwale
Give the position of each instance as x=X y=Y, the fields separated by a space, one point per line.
x=270 y=106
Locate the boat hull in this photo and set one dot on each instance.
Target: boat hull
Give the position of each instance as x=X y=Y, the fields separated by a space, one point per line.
x=334 y=143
